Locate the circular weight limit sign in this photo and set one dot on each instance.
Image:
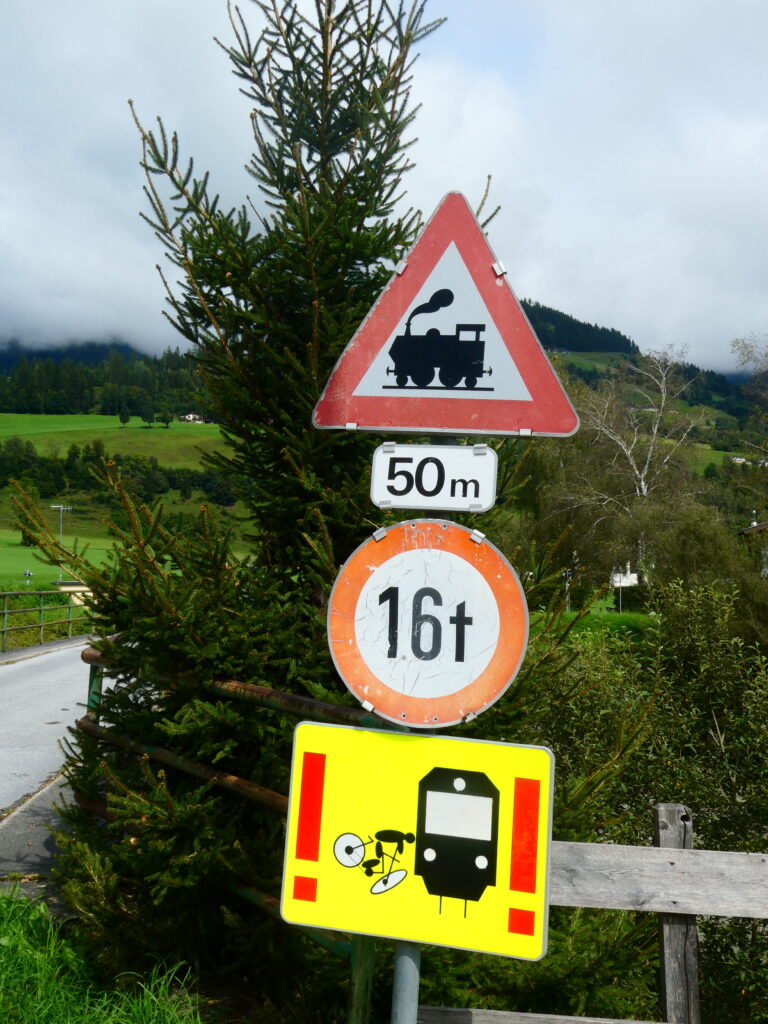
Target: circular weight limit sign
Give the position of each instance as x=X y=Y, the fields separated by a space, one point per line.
x=427 y=623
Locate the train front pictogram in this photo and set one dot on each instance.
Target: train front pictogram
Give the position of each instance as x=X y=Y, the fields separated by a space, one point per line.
x=457 y=833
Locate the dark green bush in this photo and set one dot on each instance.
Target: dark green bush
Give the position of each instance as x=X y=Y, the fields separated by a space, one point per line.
x=631 y=599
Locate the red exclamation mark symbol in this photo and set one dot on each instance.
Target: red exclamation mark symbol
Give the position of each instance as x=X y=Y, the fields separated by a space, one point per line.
x=525 y=843
x=310 y=817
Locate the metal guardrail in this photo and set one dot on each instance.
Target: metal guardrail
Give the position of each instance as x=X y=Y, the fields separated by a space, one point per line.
x=38 y=606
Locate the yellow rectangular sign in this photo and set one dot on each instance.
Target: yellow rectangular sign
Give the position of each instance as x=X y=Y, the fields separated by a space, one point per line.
x=430 y=839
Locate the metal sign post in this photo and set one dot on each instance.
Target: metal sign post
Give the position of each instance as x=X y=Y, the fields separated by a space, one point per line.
x=405 y=983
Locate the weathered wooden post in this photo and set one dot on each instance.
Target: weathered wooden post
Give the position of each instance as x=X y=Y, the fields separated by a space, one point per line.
x=679 y=967
x=361 y=979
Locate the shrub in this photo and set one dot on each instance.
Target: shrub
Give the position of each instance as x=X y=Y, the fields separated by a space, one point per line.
x=631 y=599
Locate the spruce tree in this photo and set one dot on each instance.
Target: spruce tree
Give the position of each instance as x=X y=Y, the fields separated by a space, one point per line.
x=270 y=292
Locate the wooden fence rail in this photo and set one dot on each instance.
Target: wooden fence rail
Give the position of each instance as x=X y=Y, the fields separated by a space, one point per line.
x=444 y=1015
x=670 y=879
x=661 y=880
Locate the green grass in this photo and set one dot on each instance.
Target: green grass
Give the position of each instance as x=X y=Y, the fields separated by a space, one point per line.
x=15 y=559
x=699 y=456
x=593 y=360
x=180 y=446
x=45 y=980
x=601 y=618
x=86 y=531
x=84 y=525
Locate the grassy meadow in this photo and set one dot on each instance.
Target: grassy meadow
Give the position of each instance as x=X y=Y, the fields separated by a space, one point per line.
x=699 y=456
x=180 y=446
x=606 y=618
x=84 y=527
x=15 y=559
x=603 y=361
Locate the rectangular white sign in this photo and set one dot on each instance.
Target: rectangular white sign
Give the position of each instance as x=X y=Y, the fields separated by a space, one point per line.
x=452 y=478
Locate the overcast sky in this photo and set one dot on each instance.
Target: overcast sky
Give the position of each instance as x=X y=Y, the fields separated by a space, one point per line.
x=628 y=145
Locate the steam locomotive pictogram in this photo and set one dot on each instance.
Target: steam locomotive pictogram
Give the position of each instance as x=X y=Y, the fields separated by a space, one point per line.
x=455 y=357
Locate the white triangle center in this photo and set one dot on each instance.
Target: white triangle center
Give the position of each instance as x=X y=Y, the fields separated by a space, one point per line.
x=452 y=349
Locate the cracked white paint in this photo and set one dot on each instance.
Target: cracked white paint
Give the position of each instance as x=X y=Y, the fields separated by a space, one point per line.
x=455 y=580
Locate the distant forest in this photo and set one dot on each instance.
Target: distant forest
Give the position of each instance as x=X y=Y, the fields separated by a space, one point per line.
x=113 y=379
x=556 y=330
x=104 y=379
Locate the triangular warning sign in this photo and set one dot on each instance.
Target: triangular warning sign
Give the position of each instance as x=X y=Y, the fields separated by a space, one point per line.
x=447 y=347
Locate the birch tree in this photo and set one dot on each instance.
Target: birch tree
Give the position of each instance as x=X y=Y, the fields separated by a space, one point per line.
x=645 y=437
x=625 y=469
x=752 y=354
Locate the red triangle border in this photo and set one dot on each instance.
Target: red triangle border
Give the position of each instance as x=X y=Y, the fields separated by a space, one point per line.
x=548 y=413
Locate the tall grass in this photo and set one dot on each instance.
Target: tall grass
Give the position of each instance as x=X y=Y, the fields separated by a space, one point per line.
x=634 y=623
x=44 y=980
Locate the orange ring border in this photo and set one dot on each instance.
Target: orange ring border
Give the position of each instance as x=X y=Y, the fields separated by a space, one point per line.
x=480 y=693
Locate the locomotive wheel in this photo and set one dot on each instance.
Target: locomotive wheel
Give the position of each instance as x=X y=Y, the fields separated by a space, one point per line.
x=471 y=382
x=449 y=378
x=423 y=377
x=401 y=379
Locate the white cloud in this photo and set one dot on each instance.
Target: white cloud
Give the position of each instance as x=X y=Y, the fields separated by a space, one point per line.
x=628 y=146
x=466 y=130
x=634 y=190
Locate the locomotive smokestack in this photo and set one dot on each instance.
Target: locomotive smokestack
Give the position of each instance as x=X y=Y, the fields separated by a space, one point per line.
x=441 y=298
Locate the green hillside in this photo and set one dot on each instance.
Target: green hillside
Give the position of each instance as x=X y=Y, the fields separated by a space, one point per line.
x=180 y=445
x=602 y=361
x=561 y=331
x=158 y=463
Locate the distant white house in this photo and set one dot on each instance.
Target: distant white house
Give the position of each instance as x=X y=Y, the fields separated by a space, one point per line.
x=625 y=578
x=191 y=417
x=741 y=461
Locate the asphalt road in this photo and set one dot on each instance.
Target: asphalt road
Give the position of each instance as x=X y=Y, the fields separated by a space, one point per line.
x=40 y=696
